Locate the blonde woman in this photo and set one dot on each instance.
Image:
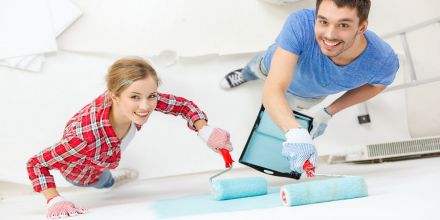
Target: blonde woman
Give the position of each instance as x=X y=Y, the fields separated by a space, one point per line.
x=94 y=138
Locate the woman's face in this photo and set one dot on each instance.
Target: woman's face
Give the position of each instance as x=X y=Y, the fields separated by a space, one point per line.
x=137 y=101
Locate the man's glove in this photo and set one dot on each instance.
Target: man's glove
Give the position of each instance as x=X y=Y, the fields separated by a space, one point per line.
x=320 y=123
x=298 y=148
x=215 y=138
x=60 y=208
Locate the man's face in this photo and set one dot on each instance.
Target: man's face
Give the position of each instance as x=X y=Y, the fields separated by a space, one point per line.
x=337 y=29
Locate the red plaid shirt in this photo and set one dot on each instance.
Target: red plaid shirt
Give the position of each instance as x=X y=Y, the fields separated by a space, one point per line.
x=89 y=144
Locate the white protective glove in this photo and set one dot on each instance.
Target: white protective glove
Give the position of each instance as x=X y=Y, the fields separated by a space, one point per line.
x=58 y=207
x=320 y=123
x=298 y=148
x=215 y=138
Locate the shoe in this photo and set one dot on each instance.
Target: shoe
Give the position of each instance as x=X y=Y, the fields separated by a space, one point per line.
x=123 y=176
x=232 y=79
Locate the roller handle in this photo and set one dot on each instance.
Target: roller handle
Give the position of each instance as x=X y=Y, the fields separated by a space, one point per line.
x=309 y=168
x=226 y=157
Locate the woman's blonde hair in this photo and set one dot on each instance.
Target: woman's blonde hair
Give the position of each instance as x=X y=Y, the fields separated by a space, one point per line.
x=125 y=71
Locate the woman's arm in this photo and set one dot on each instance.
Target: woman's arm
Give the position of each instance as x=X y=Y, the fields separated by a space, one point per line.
x=200 y=124
x=50 y=193
x=68 y=150
x=215 y=138
x=170 y=104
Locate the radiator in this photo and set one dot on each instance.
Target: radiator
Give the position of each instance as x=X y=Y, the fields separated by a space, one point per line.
x=397 y=150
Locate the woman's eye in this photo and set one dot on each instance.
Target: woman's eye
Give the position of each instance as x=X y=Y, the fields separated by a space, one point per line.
x=135 y=97
x=152 y=96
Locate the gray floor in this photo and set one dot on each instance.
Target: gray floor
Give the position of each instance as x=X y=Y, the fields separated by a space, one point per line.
x=407 y=189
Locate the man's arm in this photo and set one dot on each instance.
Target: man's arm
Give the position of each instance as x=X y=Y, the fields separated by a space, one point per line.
x=355 y=96
x=274 y=94
x=298 y=147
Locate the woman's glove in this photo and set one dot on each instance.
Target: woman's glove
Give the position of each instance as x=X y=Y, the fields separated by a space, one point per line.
x=61 y=208
x=215 y=138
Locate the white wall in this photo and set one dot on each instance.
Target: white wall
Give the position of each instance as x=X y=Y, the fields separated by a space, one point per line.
x=189 y=27
x=421 y=102
x=36 y=106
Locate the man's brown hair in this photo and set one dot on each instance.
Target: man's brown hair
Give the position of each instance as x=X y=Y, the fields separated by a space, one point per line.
x=362 y=7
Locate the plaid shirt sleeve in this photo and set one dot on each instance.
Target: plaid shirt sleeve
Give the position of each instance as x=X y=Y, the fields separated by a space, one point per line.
x=59 y=156
x=170 y=104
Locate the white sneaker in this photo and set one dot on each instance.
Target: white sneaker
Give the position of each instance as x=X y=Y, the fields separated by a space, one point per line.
x=123 y=176
x=232 y=79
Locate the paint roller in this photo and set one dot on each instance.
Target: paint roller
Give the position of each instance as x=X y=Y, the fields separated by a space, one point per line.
x=337 y=188
x=223 y=189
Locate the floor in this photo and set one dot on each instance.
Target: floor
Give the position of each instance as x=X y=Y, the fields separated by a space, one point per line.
x=407 y=189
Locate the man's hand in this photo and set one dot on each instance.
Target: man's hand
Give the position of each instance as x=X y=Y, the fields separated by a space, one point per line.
x=320 y=123
x=298 y=148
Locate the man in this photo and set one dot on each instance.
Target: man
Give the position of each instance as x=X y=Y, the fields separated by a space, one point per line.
x=319 y=52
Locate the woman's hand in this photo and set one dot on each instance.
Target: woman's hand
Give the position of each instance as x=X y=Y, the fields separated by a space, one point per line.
x=215 y=138
x=58 y=207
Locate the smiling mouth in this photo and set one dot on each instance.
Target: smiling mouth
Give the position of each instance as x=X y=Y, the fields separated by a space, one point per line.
x=331 y=44
x=141 y=114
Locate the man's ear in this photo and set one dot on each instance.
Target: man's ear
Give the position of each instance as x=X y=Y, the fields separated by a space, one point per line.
x=363 y=27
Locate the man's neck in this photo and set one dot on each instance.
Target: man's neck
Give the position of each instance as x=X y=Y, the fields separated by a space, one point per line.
x=351 y=54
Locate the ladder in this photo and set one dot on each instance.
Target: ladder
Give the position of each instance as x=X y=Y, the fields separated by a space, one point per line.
x=363 y=115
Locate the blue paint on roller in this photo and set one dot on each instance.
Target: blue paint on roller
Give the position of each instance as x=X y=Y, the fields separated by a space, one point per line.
x=324 y=190
x=224 y=189
x=298 y=194
x=205 y=204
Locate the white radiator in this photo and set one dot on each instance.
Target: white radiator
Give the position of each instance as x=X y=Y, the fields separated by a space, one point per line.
x=399 y=149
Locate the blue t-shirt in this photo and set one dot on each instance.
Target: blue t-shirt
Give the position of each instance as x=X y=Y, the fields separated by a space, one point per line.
x=316 y=75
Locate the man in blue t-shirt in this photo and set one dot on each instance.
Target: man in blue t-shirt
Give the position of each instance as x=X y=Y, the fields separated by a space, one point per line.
x=318 y=53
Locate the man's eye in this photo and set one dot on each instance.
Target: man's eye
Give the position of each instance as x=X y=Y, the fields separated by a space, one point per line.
x=323 y=22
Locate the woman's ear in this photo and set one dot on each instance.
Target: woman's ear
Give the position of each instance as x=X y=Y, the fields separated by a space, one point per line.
x=115 y=99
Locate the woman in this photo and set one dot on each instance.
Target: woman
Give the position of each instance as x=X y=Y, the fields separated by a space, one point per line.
x=95 y=136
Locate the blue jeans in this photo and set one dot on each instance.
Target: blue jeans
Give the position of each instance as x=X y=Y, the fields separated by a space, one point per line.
x=105 y=181
x=256 y=69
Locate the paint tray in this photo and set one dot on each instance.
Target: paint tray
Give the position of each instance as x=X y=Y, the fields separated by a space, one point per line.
x=263 y=147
